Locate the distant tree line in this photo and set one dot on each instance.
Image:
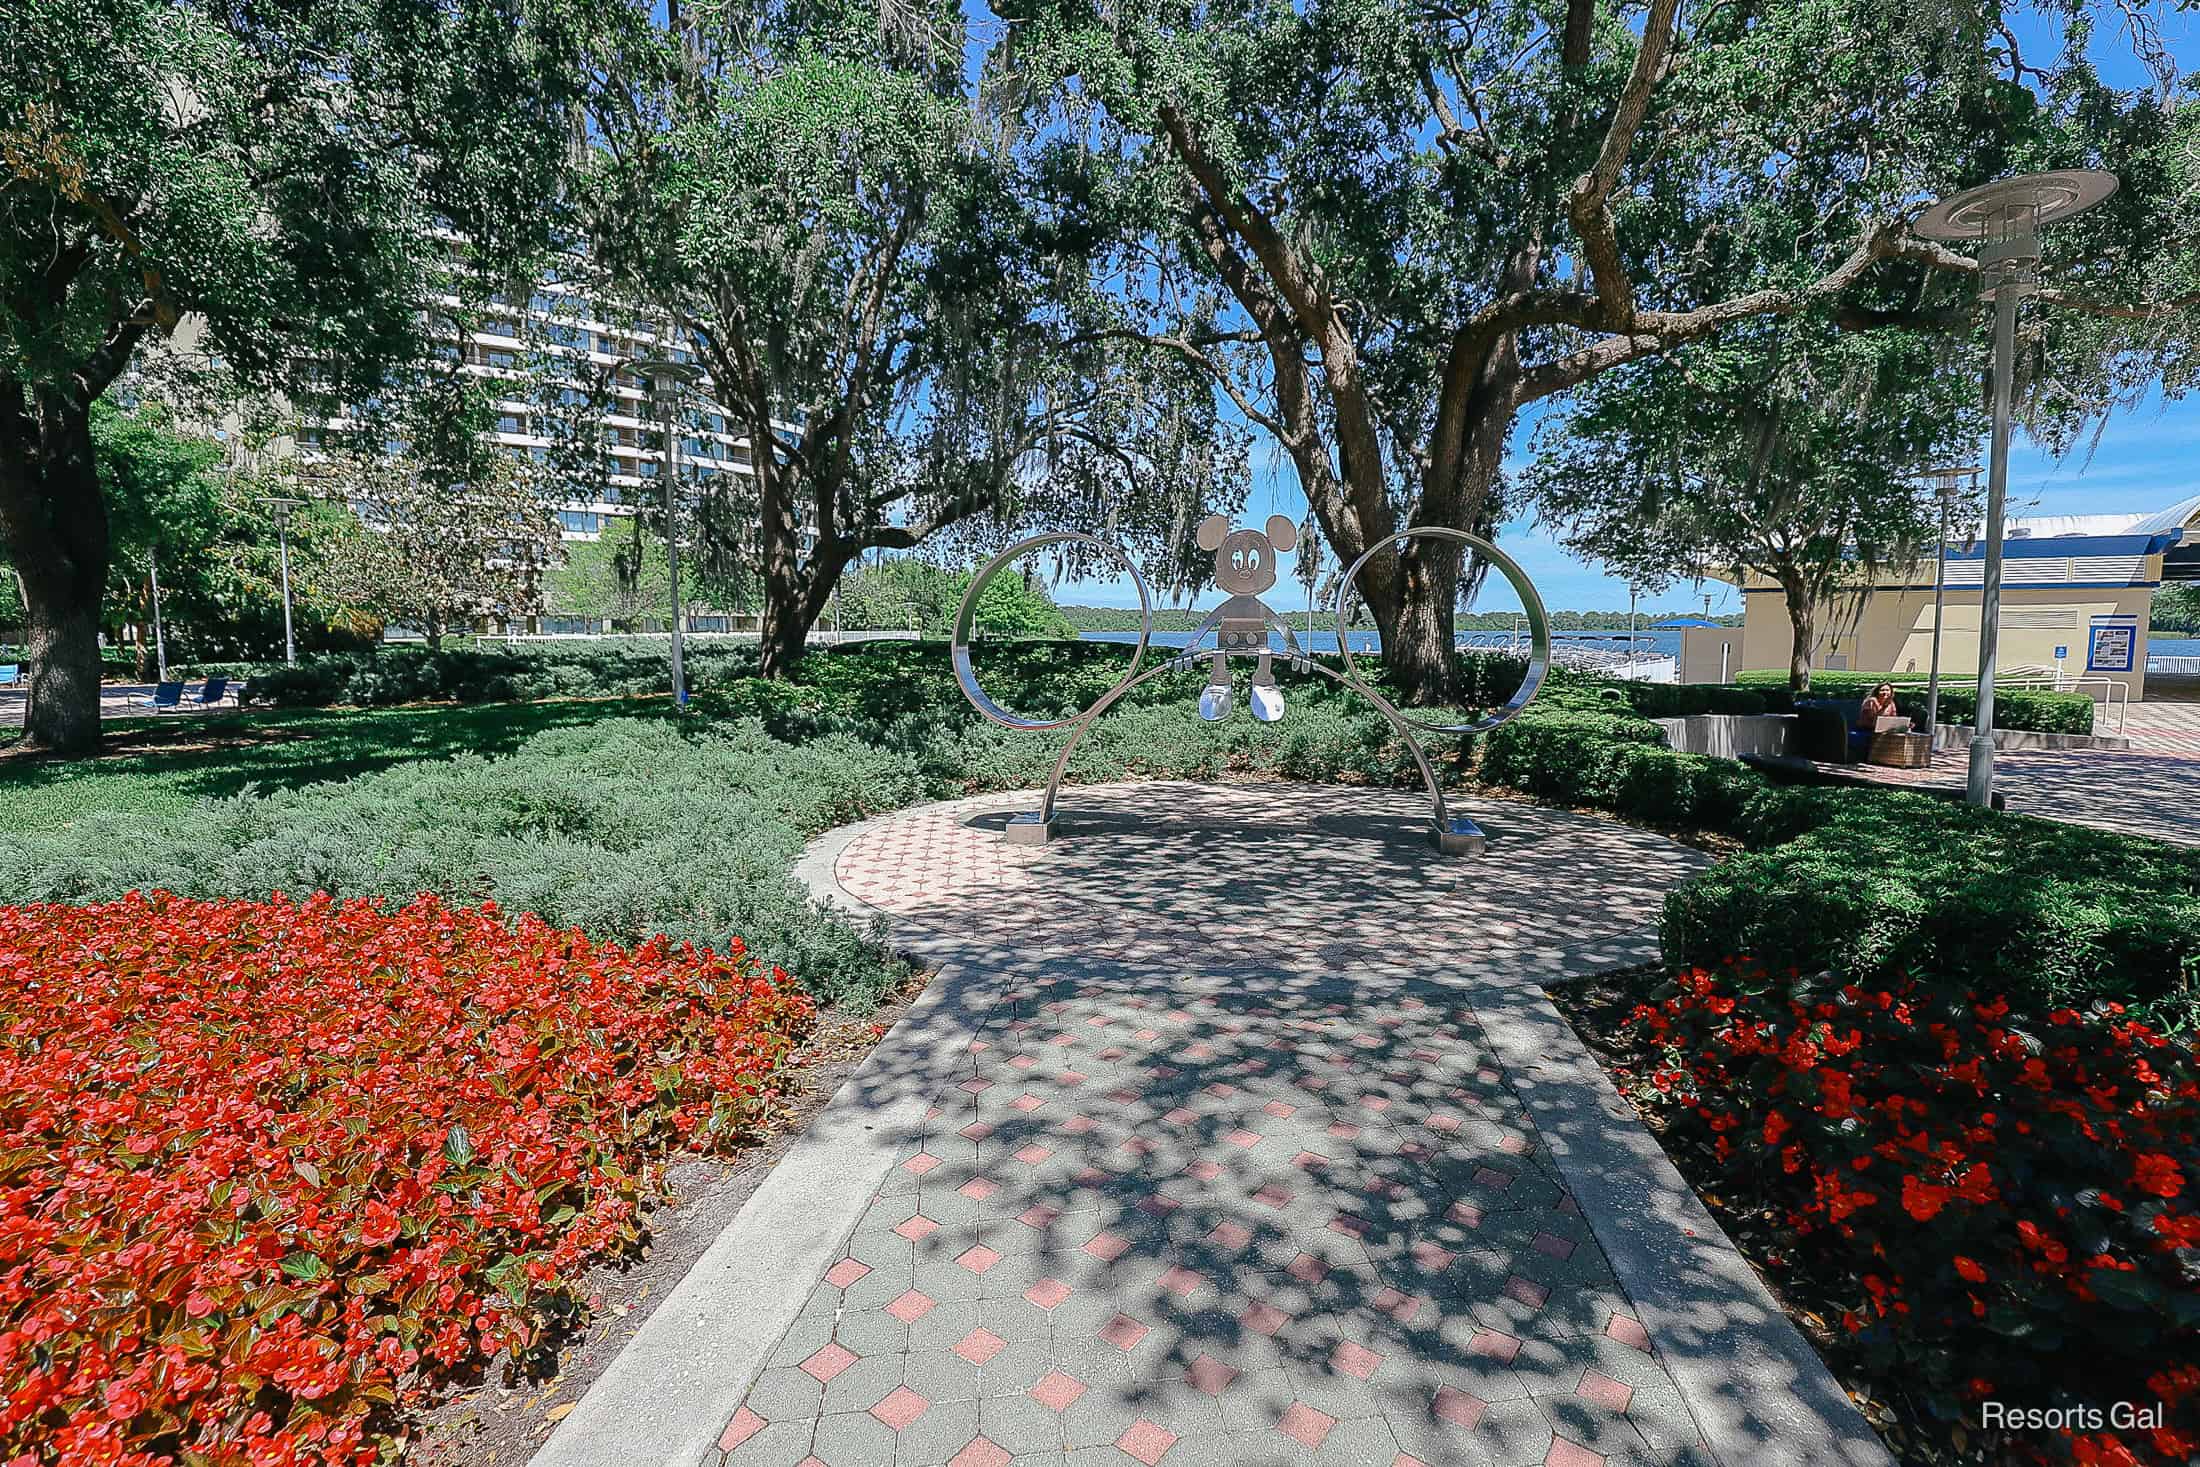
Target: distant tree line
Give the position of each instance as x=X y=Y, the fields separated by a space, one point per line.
x=2177 y=609
x=1184 y=619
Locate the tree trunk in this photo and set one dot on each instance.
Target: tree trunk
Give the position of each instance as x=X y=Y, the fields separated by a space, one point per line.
x=781 y=630
x=53 y=522
x=1414 y=600
x=1803 y=617
x=782 y=635
x=1417 y=647
x=795 y=596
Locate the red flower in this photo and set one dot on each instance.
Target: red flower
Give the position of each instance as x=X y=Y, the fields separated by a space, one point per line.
x=1969 y=1268
x=1922 y=1200
x=2158 y=1174
x=328 y=1150
x=379 y=1229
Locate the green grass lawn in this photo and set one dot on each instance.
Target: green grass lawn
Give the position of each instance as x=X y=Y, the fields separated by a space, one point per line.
x=160 y=766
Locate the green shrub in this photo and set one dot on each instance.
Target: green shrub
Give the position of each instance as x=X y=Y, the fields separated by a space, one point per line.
x=1654 y=784
x=1726 y=789
x=2029 y=710
x=623 y=827
x=489 y=672
x=1564 y=755
x=1875 y=882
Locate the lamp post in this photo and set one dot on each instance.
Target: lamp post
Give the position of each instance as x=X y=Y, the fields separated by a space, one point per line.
x=282 y=509
x=1947 y=479
x=666 y=379
x=160 y=643
x=2004 y=218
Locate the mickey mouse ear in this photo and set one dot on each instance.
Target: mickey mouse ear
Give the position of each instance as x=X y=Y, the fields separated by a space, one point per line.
x=1212 y=531
x=1282 y=534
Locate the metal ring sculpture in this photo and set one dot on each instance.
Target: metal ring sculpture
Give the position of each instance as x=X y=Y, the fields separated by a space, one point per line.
x=1447 y=834
x=1531 y=604
x=960 y=646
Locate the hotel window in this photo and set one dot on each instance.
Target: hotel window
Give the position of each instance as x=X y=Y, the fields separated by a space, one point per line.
x=580 y=521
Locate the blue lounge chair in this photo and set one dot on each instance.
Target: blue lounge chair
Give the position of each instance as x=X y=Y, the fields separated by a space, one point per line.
x=11 y=672
x=166 y=696
x=213 y=691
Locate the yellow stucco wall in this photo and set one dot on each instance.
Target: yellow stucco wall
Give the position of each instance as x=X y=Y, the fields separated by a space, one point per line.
x=1894 y=632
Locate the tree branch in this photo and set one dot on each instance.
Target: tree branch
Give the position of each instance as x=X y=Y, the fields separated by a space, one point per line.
x=1659 y=331
x=1589 y=208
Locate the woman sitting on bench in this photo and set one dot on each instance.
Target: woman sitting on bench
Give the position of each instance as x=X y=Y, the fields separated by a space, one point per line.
x=1879 y=705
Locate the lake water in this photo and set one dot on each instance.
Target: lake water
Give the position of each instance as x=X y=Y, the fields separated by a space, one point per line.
x=1666 y=643
x=1657 y=643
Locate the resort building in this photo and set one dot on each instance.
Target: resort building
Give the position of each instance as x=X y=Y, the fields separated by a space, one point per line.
x=2074 y=601
x=556 y=364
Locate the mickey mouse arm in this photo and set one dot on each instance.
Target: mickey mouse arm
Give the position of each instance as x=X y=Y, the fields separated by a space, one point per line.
x=1191 y=652
x=1291 y=647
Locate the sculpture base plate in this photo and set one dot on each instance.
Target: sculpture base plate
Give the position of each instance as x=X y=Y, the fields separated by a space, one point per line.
x=1461 y=837
x=1027 y=829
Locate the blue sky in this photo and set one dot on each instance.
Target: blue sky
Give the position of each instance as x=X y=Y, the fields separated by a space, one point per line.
x=2144 y=459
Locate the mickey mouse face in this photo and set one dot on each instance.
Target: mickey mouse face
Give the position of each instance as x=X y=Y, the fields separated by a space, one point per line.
x=1245 y=560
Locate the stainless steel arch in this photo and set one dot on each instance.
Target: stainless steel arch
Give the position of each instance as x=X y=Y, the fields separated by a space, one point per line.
x=1446 y=833
x=1539 y=626
x=959 y=646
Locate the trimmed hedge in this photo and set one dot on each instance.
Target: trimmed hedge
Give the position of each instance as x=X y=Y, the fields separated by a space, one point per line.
x=890 y=679
x=2030 y=710
x=1869 y=883
x=883 y=679
x=1889 y=883
x=488 y=673
x=114 y=661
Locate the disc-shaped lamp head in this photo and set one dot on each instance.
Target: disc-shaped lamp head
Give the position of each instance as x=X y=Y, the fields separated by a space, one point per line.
x=2003 y=219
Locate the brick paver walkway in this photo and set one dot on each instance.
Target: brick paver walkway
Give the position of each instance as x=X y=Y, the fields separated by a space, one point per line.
x=2162 y=726
x=1277 y=877
x=1245 y=1183
x=2141 y=792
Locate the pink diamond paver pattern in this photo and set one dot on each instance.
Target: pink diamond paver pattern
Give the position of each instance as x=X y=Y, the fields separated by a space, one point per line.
x=1214 y=1185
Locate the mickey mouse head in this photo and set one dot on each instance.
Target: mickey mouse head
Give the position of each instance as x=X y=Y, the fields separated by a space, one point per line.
x=1245 y=560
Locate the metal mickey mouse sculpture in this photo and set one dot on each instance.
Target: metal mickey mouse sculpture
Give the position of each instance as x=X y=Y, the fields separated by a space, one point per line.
x=1245 y=566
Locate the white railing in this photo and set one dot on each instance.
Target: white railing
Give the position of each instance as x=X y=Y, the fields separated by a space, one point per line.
x=2186 y=666
x=2114 y=693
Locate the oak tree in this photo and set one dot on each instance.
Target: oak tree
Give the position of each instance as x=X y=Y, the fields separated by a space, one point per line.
x=1385 y=228
x=275 y=186
x=1787 y=448
x=889 y=304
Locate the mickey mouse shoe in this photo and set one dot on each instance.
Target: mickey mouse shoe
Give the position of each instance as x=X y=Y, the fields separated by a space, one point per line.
x=1214 y=702
x=1267 y=703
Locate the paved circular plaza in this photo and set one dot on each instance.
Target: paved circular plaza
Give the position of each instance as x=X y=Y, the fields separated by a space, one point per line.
x=1283 y=878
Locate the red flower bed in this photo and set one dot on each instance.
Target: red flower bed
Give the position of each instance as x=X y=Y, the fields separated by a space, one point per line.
x=2014 y=1208
x=267 y=1168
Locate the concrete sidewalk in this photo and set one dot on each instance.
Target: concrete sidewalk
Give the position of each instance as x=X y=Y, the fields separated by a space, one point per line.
x=1237 y=1130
